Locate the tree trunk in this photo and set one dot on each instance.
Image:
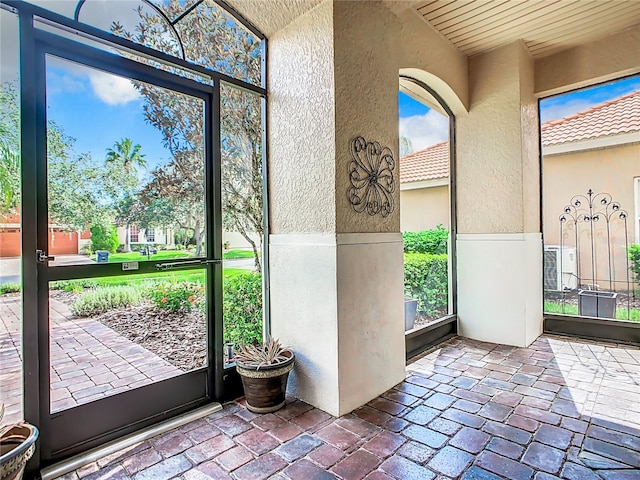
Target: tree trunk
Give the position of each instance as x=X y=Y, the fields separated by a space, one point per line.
x=256 y=255
x=127 y=242
x=197 y=236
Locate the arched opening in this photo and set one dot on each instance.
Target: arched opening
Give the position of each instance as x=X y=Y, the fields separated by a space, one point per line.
x=427 y=211
x=140 y=126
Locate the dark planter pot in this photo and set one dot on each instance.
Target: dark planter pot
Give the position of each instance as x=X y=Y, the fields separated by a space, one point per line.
x=410 y=312
x=16 y=448
x=265 y=387
x=597 y=303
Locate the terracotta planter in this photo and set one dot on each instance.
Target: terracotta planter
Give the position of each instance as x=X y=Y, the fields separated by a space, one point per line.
x=16 y=448
x=265 y=387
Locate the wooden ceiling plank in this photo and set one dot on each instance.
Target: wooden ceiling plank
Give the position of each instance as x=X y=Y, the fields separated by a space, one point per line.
x=576 y=38
x=428 y=7
x=444 y=6
x=526 y=29
x=485 y=10
x=509 y=19
x=464 y=11
x=586 y=21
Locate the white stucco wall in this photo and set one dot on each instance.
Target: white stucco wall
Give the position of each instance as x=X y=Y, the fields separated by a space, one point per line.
x=499 y=241
x=598 y=61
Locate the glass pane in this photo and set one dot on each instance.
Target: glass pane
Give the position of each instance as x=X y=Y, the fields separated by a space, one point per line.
x=112 y=334
x=242 y=214
x=10 y=230
x=212 y=38
x=134 y=20
x=174 y=8
x=591 y=242
x=425 y=212
x=125 y=168
x=62 y=7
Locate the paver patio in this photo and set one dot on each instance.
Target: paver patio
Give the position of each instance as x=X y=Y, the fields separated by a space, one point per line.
x=562 y=408
x=88 y=359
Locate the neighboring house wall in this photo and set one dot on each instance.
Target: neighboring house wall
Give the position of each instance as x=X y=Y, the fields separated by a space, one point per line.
x=612 y=170
x=424 y=208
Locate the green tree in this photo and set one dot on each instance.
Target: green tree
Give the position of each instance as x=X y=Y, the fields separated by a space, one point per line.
x=122 y=163
x=9 y=149
x=104 y=237
x=406 y=147
x=217 y=42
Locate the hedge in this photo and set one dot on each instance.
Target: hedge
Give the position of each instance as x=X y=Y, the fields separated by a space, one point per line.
x=242 y=309
x=426 y=279
x=432 y=241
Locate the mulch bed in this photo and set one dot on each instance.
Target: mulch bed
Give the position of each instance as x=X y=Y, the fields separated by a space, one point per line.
x=179 y=338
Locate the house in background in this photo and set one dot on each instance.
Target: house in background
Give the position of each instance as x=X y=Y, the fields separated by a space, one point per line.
x=424 y=189
x=62 y=241
x=149 y=236
x=597 y=149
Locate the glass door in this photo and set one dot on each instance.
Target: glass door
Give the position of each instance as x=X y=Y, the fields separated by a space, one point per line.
x=127 y=270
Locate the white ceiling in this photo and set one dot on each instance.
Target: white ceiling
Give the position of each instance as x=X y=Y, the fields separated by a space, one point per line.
x=546 y=26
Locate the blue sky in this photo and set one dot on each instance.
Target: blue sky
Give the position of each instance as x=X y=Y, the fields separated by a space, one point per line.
x=98 y=109
x=425 y=127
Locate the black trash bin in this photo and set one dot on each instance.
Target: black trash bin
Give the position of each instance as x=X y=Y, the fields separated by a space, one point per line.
x=597 y=303
x=102 y=256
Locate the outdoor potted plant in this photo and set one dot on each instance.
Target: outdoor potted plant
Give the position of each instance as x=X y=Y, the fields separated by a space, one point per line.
x=264 y=370
x=17 y=444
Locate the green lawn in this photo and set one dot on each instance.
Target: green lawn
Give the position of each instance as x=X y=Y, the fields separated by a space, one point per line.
x=136 y=257
x=177 y=276
x=621 y=313
x=238 y=254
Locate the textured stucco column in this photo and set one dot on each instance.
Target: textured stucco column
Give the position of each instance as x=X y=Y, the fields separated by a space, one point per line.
x=336 y=276
x=498 y=198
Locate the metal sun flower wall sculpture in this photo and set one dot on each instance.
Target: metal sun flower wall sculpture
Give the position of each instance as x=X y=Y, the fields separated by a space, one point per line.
x=371 y=176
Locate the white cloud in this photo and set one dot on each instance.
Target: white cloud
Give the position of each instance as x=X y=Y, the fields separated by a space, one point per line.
x=554 y=111
x=425 y=130
x=111 y=89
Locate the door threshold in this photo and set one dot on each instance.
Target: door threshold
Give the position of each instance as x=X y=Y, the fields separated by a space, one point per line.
x=77 y=461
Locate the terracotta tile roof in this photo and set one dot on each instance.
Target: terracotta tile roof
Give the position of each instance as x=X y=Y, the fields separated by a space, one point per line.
x=620 y=115
x=428 y=164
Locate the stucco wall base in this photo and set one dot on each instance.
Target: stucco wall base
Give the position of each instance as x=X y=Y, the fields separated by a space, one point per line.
x=499 y=287
x=337 y=300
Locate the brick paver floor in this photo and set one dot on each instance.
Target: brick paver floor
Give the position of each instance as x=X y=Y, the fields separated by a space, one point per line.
x=88 y=359
x=562 y=408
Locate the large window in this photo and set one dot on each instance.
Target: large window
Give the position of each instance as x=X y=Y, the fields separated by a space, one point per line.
x=590 y=154
x=426 y=218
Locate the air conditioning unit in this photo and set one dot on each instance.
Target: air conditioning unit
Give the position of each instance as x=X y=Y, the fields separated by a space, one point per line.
x=560 y=268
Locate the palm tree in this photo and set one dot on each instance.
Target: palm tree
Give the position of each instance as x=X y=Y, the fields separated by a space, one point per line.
x=126 y=155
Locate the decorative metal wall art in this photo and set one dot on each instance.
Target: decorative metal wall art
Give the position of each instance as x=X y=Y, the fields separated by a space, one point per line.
x=371 y=177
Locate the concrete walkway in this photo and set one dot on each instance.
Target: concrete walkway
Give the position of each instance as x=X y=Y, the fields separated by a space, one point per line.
x=88 y=360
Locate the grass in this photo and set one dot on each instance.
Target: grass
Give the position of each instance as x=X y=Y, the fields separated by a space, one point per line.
x=621 y=313
x=136 y=257
x=9 y=288
x=238 y=254
x=178 y=276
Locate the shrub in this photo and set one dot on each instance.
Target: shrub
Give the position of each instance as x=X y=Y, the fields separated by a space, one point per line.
x=104 y=237
x=426 y=279
x=73 y=285
x=103 y=299
x=432 y=241
x=9 y=288
x=177 y=296
x=242 y=309
x=634 y=258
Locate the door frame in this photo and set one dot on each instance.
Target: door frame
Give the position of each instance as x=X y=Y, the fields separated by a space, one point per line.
x=79 y=428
